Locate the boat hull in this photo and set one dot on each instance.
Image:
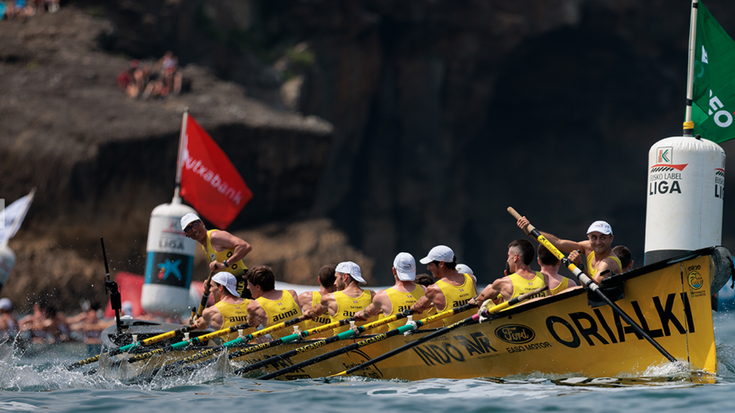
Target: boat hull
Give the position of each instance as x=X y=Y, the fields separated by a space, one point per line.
x=566 y=334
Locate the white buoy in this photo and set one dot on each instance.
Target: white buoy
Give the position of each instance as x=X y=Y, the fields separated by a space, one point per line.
x=169 y=262
x=7 y=262
x=686 y=183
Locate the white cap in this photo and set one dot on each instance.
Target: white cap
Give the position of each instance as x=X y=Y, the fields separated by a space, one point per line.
x=439 y=253
x=600 y=226
x=349 y=267
x=127 y=307
x=405 y=266
x=228 y=280
x=5 y=304
x=464 y=269
x=188 y=219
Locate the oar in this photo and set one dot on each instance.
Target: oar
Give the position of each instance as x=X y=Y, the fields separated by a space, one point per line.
x=531 y=230
x=119 y=350
x=363 y=343
x=205 y=297
x=206 y=337
x=320 y=343
x=444 y=330
x=249 y=350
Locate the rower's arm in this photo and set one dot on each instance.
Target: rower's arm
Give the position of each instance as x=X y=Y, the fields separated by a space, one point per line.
x=224 y=240
x=256 y=315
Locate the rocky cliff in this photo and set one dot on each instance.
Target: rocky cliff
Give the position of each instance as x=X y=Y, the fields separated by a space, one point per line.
x=407 y=123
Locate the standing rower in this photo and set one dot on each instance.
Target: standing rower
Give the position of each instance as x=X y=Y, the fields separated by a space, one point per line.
x=601 y=260
x=224 y=250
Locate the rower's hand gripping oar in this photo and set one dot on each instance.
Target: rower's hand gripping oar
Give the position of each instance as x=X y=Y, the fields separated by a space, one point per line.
x=380 y=337
x=591 y=285
x=484 y=313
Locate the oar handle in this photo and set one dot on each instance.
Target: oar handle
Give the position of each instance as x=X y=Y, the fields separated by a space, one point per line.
x=529 y=228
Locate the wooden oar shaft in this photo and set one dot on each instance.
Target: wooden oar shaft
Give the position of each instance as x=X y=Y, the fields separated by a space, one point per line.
x=591 y=285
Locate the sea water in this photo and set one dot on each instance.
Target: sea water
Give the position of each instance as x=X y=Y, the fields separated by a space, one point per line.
x=40 y=383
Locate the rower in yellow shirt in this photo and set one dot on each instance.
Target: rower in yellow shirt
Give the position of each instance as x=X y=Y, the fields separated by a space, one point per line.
x=401 y=296
x=270 y=306
x=229 y=309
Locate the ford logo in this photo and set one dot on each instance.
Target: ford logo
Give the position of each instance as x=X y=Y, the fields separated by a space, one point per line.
x=515 y=333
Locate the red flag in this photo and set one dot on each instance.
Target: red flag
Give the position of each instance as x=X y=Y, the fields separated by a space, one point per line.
x=209 y=181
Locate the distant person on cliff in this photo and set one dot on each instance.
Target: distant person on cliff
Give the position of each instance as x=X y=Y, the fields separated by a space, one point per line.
x=270 y=306
x=519 y=277
x=311 y=299
x=451 y=289
x=349 y=297
x=550 y=270
x=601 y=260
x=401 y=296
x=625 y=256
x=229 y=309
x=224 y=250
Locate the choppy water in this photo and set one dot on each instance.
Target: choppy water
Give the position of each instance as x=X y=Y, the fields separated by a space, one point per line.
x=33 y=383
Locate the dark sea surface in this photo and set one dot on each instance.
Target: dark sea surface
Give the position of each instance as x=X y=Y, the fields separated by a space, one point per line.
x=38 y=382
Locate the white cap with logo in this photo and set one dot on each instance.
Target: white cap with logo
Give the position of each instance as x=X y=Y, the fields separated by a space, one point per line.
x=601 y=227
x=405 y=266
x=228 y=280
x=349 y=267
x=439 y=253
x=188 y=219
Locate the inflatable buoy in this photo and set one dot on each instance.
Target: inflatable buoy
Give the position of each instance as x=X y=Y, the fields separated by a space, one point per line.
x=7 y=262
x=169 y=262
x=686 y=184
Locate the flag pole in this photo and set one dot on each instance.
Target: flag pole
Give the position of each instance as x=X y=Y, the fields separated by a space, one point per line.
x=688 y=124
x=180 y=160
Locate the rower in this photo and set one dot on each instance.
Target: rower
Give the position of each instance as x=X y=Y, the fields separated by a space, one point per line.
x=270 y=306
x=519 y=278
x=451 y=289
x=224 y=250
x=550 y=270
x=625 y=256
x=311 y=299
x=229 y=309
x=401 y=296
x=601 y=260
x=349 y=297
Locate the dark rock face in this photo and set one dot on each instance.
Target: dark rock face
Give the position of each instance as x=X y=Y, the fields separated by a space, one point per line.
x=443 y=113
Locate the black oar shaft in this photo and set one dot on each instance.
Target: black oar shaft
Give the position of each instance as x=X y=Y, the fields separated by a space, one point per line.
x=590 y=284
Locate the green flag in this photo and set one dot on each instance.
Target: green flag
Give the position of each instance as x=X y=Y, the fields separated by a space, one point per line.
x=714 y=80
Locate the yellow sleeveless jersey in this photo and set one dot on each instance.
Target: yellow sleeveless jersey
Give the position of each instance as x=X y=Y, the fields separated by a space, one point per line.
x=563 y=285
x=233 y=315
x=456 y=296
x=593 y=271
x=278 y=311
x=522 y=285
x=347 y=307
x=402 y=301
x=238 y=269
x=316 y=298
